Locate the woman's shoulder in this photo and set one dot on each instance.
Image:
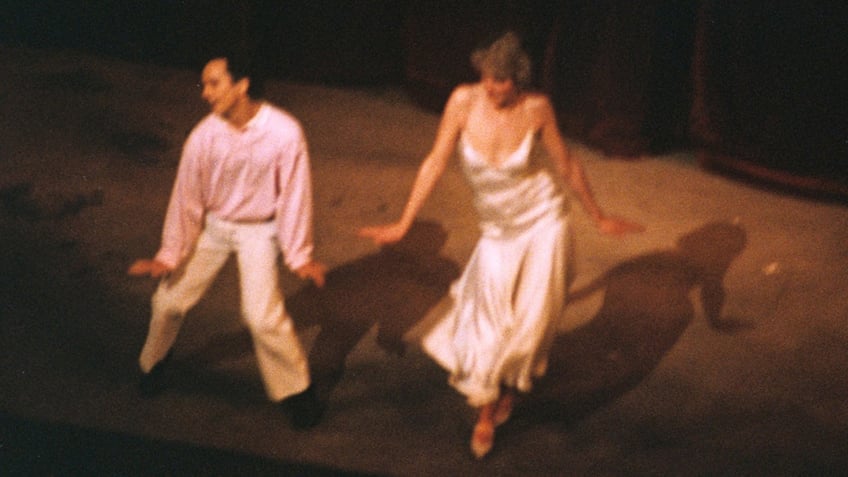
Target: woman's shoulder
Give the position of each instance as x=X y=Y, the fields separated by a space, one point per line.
x=464 y=93
x=461 y=100
x=537 y=99
x=538 y=106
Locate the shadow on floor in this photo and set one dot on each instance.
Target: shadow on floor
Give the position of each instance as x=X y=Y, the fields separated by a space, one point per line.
x=646 y=307
x=392 y=290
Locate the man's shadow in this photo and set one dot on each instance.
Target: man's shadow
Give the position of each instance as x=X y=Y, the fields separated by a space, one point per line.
x=392 y=289
x=646 y=307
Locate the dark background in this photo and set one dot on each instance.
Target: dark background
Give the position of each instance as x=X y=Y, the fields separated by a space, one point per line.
x=756 y=88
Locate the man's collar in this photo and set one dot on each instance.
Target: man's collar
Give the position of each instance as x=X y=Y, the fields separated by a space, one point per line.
x=259 y=118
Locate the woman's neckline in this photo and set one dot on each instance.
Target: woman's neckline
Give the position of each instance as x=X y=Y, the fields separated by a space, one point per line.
x=467 y=146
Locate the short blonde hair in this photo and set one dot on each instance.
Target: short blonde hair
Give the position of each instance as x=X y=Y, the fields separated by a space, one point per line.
x=504 y=59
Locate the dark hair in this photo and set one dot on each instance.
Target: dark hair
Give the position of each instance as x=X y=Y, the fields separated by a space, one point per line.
x=239 y=67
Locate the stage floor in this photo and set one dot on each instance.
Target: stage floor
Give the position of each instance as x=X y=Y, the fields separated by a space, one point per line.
x=641 y=381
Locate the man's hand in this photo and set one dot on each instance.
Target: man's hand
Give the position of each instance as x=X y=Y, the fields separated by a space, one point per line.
x=145 y=267
x=314 y=271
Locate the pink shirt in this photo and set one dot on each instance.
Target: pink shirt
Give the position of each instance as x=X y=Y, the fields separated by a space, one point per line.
x=258 y=173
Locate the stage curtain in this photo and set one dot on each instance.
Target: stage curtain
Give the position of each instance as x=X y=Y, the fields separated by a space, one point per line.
x=756 y=88
x=769 y=97
x=619 y=73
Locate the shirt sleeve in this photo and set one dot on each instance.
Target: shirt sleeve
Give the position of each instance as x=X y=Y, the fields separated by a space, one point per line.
x=294 y=205
x=184 y=218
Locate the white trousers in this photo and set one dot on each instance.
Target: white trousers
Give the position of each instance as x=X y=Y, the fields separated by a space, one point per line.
x=282 y=361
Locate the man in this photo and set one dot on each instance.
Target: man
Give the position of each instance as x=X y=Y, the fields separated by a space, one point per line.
x=243 y=187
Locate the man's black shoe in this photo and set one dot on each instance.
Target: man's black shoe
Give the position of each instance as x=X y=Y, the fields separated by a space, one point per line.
x=152 y=383
x=305 y=410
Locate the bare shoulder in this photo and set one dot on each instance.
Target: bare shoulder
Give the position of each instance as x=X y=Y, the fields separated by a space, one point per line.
x=539 y=109
x=538 y=102
x=463 y=95
x=459 y=104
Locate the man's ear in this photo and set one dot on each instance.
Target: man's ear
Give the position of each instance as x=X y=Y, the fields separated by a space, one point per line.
x=243 y=85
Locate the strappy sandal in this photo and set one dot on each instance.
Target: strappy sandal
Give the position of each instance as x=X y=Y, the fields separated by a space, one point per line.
x=503 y=409
x=482 y=439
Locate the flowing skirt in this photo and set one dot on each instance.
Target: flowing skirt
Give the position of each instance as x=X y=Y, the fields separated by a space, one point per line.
x=501 y=323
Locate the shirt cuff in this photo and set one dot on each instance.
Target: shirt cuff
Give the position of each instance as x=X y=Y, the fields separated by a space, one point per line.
x=167 y=258
x=296 y=261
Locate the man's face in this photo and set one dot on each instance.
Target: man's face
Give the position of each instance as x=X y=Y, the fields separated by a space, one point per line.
x=218 y=87
x=501 y=92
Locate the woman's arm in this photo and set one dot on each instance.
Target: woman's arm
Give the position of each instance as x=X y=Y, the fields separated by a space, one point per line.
x=572 y=172
x=431 y=169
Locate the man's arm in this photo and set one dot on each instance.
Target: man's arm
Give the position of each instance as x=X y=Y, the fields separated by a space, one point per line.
x=183 y=219
x=294 y=212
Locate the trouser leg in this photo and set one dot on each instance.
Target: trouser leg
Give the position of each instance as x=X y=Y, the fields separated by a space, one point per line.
x=175 y=295
x=280 y=356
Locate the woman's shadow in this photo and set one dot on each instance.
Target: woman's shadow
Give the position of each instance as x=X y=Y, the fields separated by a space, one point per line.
x=646 y=307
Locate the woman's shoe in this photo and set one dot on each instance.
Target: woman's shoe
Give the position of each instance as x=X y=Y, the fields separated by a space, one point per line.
x=482 y=439
x=503 y=409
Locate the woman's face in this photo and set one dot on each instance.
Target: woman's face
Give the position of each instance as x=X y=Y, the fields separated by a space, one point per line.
x=501 y=92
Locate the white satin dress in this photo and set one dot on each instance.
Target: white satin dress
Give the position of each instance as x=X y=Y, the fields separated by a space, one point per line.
x=502 y=317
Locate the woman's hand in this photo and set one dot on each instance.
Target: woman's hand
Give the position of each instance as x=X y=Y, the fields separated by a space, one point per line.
x=384 y=234
x=618 y=226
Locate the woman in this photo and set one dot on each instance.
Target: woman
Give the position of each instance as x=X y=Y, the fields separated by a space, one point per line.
x=495 y=337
